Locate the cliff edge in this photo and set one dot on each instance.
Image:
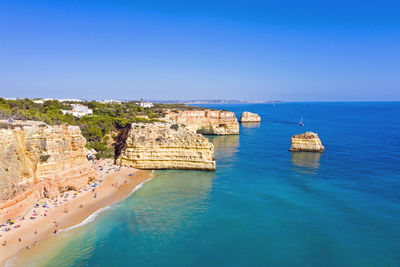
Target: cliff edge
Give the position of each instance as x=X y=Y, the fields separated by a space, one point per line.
x=164 y=146
x=38 y=160
x=208 y=122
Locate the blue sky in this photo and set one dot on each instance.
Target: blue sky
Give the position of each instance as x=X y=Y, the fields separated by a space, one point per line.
x=282 y=50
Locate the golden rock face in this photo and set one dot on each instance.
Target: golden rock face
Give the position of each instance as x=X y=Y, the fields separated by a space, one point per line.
x=165 y=146
x=249 y=117
x=40 y=160
x=308 y=141
x=212 y=122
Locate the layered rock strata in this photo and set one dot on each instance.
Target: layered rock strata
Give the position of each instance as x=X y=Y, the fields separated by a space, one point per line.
x=249 y=117
x=207 y=121
x=164 y=146
x=39 y=161
x=308 y=142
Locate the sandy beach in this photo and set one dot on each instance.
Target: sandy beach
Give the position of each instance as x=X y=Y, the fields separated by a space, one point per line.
x=50 y=216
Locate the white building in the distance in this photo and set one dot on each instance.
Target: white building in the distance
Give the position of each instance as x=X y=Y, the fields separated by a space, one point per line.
x=78 y=110
x=70 y=100
x=145 y=104
x=109 y=101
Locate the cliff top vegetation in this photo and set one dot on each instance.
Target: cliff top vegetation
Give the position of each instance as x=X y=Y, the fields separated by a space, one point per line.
x=97 y=128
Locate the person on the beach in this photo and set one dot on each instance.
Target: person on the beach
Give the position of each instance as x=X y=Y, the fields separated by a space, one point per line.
x=19 y=239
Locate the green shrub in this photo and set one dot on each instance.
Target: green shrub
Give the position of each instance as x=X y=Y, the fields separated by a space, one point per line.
x=44 y=158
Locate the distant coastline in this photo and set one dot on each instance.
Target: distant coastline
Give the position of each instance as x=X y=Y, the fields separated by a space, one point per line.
x=187 y=102
x=217 y=101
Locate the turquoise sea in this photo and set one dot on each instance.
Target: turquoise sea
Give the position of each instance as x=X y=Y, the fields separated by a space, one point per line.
x=264 y=206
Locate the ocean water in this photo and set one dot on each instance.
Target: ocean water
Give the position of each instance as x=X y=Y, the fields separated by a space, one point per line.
x=264 y=206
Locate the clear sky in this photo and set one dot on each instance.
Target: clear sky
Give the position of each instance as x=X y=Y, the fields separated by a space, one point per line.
x=283 y=50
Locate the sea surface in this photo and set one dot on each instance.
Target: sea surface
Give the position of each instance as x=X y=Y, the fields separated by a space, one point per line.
x=264 y=206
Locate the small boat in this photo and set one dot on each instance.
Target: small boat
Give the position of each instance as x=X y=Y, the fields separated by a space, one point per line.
x=301 y=123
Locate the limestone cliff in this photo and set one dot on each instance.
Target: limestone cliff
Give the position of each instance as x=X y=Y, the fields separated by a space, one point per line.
x=250 y=117
x=38 y=161
x=207 y=121
x=164 y=146
x=308 y=141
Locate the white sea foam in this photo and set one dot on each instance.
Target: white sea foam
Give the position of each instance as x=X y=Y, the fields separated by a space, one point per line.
x=97 y=212
x=10 y=262
x=87 y=220
x=138 y=187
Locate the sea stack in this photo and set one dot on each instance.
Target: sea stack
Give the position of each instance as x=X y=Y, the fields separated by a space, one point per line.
x=250 y=117
x=164 y=146
x=308 y=142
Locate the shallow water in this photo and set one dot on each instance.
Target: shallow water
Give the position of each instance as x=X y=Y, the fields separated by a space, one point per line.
x=264 y=205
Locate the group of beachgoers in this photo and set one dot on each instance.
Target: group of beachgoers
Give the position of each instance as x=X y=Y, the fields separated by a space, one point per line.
x=42 y=208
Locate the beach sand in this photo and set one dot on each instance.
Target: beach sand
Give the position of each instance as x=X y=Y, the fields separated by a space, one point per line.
x=72 y=208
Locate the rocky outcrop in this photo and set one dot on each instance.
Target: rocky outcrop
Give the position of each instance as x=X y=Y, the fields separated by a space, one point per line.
x=308 y=141
x=164 y=146
x=249 y=117
x=39 y=161
x=207 y=121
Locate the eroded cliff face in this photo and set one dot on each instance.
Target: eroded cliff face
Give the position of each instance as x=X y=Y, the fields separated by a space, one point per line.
x=308 y=141
x=40 y=161
x=164 y=146
x=212 y=122
x=250 y=117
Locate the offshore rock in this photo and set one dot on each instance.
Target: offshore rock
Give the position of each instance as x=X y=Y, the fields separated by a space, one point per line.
x=164 y=146
x=38 y=160
x=249 y=117
x=207 y=121
x=308 y=141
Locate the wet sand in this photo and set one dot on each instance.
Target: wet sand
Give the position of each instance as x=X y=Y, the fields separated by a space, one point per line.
x=71 y=209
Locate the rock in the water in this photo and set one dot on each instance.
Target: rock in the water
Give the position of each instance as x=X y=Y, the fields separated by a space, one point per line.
x=206 y=121
x=38 y=160
x=250 y=117
x=164 y=146
x=308 y=141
